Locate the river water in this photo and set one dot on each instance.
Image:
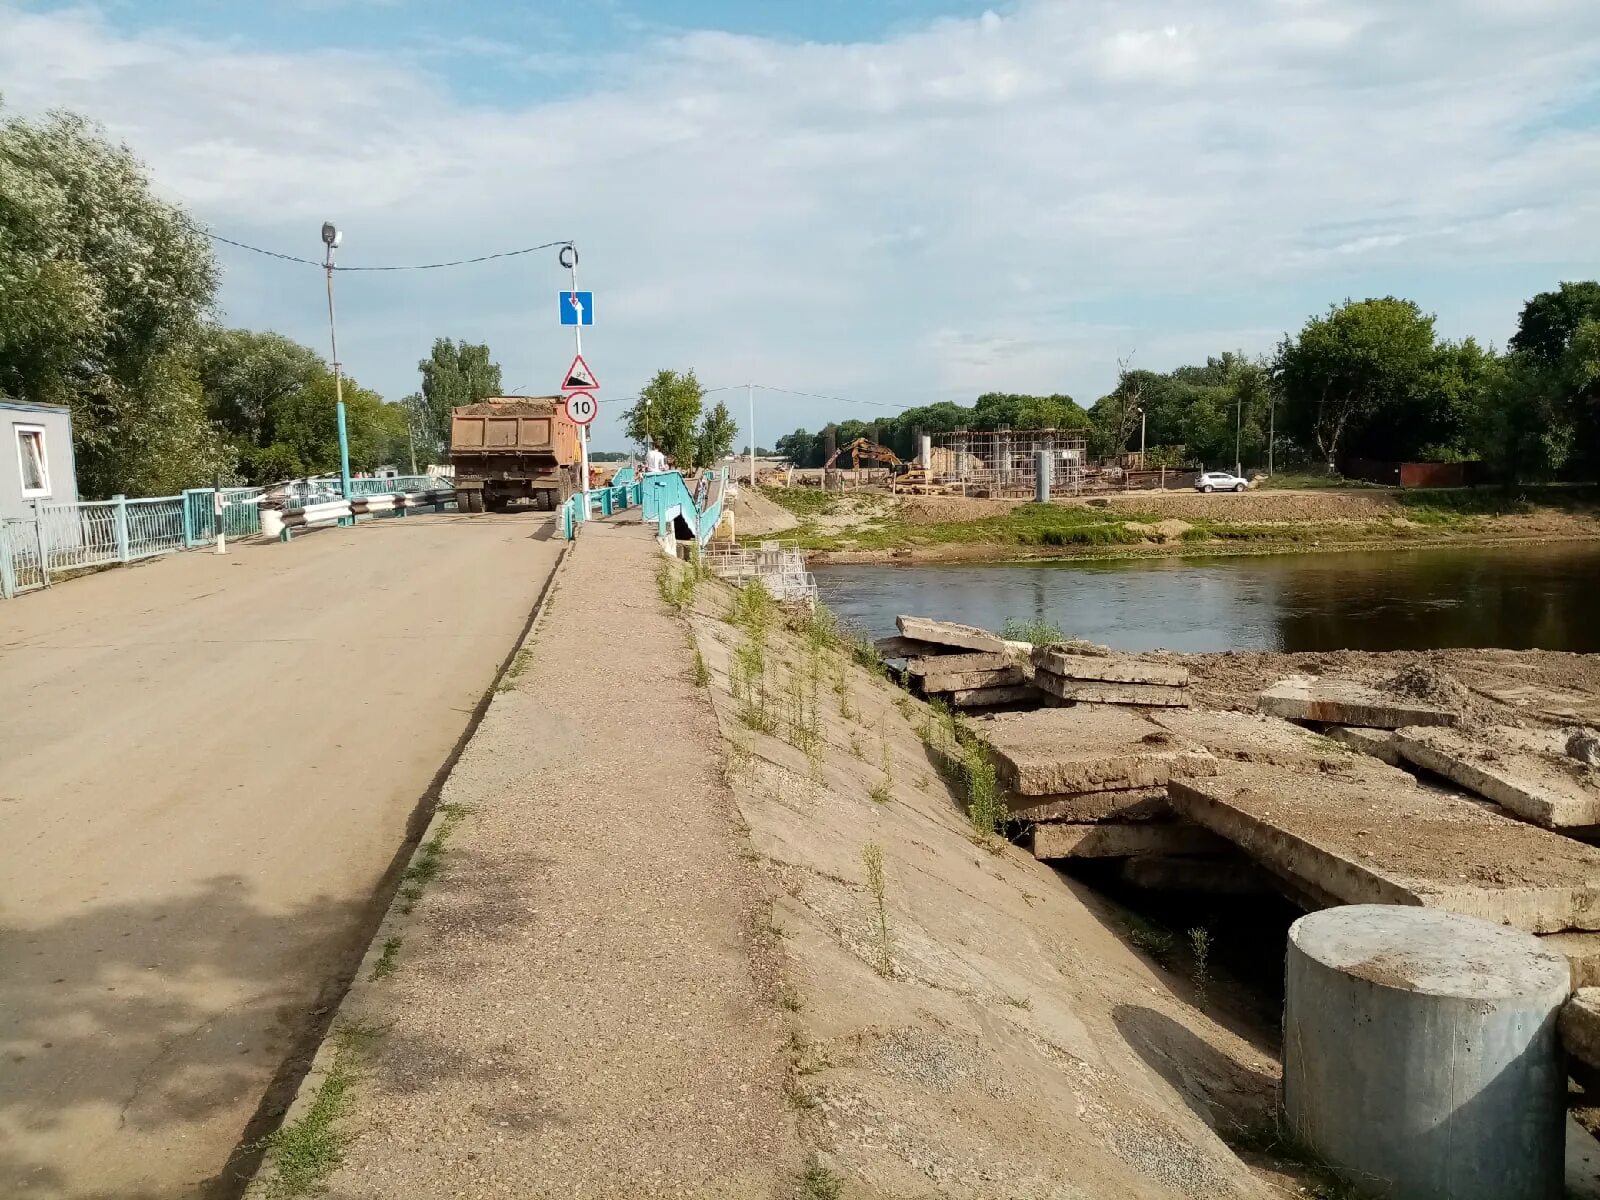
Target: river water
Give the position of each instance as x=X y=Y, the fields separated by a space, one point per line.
x=1522 y=597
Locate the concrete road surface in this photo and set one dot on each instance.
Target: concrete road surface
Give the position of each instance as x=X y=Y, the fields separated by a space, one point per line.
x=207 y=765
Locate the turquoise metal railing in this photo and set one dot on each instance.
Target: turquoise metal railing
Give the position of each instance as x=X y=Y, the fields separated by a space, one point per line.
x=668 y=499
x=602 y=501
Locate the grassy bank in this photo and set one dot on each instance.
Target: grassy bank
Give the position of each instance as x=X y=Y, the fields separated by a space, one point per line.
x=865 y=526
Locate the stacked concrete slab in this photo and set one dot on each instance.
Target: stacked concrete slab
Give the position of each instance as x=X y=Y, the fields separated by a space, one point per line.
x=1528 y=772
x=1084 y=674
x=960 y=664
x=1341 y=702
x=1092 y=781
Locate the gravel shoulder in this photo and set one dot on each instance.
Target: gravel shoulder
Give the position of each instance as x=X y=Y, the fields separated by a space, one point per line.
x=577 y=1005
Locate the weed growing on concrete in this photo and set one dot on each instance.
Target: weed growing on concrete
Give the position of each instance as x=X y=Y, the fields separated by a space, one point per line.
x=1035 y=631
x=820 y=629
x=520 y=663
x=881 y=793
x=1022 y=1002
x=804 y=722
x=676 y=586
x=702 y=673
x=841 y=689
x=789 y=999
x=430 y=860
x=884 y=791
x=1156 y=941
x=753 y=609
x=747 y=680
x=303 y=1153
x=855 y=747
x=985 y=809
x=865 y=655
x=872 y=855
x=386 y=964
x=798 y=1097
x=818 y=1183
x=1200 y=972
x=409 y=895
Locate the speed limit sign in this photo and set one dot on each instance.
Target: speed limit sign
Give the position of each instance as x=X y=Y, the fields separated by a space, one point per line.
x=582 y=407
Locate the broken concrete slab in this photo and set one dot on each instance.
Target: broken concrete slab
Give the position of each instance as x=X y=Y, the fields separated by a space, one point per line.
x=960 y=681
x=948 y=633
x=1217 y=875
x=989 y=697
x=1056 y=751
x=1379 y=743
x=1061 y=840
x=1526 y=771
x=940 y=664
x=1253 y=737
x=1583 y=952
x=904 y=647
x=1115 y=668
x=1347 y=837
x=1579 y=1024
x=1341 y=702
x=1127 y=804
x=1136 y=695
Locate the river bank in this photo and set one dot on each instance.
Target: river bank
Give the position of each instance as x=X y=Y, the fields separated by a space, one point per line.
x=868 y=527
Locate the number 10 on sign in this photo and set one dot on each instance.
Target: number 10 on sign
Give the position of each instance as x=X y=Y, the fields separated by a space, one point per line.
x=582 y=408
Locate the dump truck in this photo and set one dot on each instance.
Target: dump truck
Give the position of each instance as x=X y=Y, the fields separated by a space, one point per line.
x=509 y=448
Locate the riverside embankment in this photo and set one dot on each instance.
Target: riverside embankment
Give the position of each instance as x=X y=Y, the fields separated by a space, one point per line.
x=867 y=527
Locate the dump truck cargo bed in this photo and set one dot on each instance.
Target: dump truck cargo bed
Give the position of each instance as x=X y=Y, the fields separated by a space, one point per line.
x=508 y=448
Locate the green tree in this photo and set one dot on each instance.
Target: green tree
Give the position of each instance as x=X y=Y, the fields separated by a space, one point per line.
x=802 y=449
x=102 y=290
x=243 y=373
x=455 y=373
x=1548 y=322
x=1364 y=360
x=668 y=413
x=715 y=439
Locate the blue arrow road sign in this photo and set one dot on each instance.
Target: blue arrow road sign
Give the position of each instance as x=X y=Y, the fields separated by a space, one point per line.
x=577 y=308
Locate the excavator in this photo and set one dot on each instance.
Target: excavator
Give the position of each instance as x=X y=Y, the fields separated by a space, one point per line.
x=864 y=449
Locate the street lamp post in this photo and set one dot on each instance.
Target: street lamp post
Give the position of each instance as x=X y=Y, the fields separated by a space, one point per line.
x=1141 y=437
x=331 y=237
x=1238 y=426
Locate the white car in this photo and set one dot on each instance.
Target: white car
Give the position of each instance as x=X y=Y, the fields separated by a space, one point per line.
x=1219 y=481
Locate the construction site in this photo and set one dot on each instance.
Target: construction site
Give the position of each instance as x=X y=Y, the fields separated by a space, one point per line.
x=993 y=463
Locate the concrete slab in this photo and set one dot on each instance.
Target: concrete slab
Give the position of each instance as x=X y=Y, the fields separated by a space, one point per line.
x=960 y=681
x=1127 y=804
x=904 y=647
x=1583 y=953
x=987 y=697
x=1137 y=695
x=1379 y=743
x=1580 y=1027
x=1116 y=668
x=1340 y=702
x=941 y=664
x=1527 y=771
x=1214 y=876
x=1055 y=751
x=1356 y=840
x=948 y=633
x=1254 y=737
x=1060 y=840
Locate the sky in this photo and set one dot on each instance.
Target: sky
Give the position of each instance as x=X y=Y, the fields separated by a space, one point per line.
x=887 y=203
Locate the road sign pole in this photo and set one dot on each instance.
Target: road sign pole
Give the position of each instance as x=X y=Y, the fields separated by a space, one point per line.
x=750 y=394
x=583 y=430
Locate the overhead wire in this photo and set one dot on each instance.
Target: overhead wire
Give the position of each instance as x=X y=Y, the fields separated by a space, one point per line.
x=433 y=266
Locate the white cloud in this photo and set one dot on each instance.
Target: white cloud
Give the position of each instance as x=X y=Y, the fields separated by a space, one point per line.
x=901 y=220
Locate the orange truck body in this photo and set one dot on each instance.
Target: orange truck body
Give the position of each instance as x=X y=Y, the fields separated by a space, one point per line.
x=509 y=448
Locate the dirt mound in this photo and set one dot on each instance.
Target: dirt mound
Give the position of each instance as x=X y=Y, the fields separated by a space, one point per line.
x=929 y=510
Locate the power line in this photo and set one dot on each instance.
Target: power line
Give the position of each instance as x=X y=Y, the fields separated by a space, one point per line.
x=840 y=399
x=433 y=266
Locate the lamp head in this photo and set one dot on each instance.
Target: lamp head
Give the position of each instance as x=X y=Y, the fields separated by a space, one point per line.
x=331 y=235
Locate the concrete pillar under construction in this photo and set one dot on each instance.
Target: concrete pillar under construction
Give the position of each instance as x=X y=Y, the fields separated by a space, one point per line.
x=1041 y=478
x=1420 y=1053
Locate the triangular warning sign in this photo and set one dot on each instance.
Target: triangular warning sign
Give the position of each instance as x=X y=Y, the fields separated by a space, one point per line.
x=579 y=377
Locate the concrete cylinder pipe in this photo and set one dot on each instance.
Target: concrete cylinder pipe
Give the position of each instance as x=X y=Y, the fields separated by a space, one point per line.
x=1420 y=1053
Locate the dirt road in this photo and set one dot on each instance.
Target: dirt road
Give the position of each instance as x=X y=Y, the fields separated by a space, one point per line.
x=207 y=765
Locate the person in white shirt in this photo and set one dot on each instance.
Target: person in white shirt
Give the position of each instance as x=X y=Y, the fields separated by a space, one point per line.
x=654 y=460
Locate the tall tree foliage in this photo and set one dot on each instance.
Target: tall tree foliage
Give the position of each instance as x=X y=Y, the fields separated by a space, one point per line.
x=715 y=438
x=667 y=413
x=102 y=291
x=1362 y=357
x=455 y=373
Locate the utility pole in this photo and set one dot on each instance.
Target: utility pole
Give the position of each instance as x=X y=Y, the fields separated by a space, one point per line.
x=568 y=257
x=750 y=394
x=1272 y=417
x=1141 y=437
x=331 y=237
x=1238 y=427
